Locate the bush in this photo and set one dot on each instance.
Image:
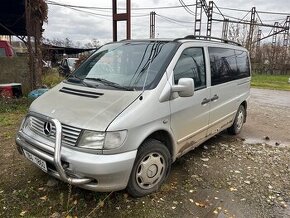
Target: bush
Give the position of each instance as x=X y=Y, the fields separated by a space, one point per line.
x=51 y=78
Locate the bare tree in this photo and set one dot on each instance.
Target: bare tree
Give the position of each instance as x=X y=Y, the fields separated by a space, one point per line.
x=67 y=42
x=94 y=43
x=36 y=14
x=238 y=33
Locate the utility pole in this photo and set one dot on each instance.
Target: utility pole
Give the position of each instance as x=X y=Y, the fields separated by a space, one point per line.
x=259 y=35
x=225 y=28
x=258 y=46
x=251 y=31
x=198 y=17
x=152 y=24
x=286 y=40
x=286 y=33
x=208 y=9
x=121 y=17
x=275 y=30
x=209 y=18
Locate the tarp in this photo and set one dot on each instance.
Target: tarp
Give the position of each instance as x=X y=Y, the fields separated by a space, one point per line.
x=65 y=50
x=12 y=16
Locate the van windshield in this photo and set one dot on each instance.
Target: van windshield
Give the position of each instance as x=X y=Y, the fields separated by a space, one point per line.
x=127 y=65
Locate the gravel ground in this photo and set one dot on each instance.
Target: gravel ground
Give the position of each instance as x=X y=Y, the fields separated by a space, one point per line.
x=244 y=176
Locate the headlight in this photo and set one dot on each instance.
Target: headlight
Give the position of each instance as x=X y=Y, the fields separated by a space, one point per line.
x=26 y=122
x=92 y=139
x=102 y=140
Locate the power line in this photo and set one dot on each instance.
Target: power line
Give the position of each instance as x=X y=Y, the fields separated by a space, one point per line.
x=282 y=19
x=186 y=7
x=175 y=20
x=183 y=5
x=219 y=10
x=92 y=13
x=109 y=8
x=97 y=14
x=179 y=22
x=261 y=12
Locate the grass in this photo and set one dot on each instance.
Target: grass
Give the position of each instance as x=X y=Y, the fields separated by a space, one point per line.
x=8 y=105
x=51 y=78
x=276 y=82
x=11 y=113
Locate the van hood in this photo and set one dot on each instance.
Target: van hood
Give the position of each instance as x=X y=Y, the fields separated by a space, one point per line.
x=83 y=107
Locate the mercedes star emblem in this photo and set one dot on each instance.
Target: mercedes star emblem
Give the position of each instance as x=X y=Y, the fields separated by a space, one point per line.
x=47 y=128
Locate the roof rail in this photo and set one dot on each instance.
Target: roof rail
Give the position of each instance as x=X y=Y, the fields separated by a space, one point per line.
x=208 y=38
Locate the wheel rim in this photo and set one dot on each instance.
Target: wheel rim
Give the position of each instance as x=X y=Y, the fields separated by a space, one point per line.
x=150 y=170
x=240 y=120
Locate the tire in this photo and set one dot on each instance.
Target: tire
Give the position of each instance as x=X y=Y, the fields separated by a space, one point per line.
x=239 y=121
x=151 y=168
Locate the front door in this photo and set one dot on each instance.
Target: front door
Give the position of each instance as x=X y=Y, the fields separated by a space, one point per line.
x=190 y=115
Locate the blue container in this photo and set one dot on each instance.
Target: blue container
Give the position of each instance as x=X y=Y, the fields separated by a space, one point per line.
x=36 y=93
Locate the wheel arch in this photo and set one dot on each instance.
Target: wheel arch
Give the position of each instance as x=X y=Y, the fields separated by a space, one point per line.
x=245 y=104
x=166 y=138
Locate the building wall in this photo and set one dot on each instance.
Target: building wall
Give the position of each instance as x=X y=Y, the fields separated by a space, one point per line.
x=15 y=70
x=6 y=38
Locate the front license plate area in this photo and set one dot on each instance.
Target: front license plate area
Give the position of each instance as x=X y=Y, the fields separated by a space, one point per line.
x=36 y=160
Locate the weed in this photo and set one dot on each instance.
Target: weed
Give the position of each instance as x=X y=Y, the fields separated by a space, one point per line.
x=8 y=105
x=51 y=78
x=278 y=82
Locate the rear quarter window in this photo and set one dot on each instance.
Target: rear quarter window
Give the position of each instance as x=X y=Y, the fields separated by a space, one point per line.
x=242 y=64
x=228 y=64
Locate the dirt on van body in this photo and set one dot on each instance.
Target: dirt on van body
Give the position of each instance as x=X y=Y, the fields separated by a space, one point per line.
x=225 y=177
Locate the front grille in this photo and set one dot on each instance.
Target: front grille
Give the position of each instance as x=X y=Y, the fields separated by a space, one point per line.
x=70 y=134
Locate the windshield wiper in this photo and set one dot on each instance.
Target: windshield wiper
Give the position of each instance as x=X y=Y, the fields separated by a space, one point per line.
x=73 y=78
x=109 y=83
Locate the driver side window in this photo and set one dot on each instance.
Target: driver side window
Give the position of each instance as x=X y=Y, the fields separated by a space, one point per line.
x=191 y=64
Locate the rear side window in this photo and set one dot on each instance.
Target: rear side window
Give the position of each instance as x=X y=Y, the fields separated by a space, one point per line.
x=191 y=65
x=227 y=65
x=242 y=64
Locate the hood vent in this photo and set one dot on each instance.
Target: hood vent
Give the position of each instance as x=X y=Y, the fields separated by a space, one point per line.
x=80 y=92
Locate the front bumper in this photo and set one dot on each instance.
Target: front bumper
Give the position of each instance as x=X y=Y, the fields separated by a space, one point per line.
x=90 y=171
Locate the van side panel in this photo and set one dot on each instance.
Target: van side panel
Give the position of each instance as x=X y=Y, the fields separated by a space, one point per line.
x=230 y=86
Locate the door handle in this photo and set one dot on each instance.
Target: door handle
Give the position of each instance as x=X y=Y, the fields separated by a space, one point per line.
x=215 y=97
x=205 y=101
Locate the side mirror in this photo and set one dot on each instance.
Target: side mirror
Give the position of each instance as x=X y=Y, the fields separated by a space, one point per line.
x=185 y=87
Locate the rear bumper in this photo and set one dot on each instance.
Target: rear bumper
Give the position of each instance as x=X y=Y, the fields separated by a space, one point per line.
x=90 y=171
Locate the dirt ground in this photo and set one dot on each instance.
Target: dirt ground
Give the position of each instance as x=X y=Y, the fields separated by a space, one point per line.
x=244 y=176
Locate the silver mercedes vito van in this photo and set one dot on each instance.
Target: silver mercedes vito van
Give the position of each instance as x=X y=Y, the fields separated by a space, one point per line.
x=132 y=108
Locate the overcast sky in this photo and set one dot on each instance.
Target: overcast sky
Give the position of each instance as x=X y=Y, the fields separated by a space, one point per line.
x=83 y=27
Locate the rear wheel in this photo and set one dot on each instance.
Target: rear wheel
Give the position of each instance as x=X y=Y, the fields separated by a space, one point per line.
x=239 y=121
x=151 y=168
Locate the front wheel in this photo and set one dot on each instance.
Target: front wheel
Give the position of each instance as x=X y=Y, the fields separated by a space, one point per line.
x=151 y=168
x=238 y=122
